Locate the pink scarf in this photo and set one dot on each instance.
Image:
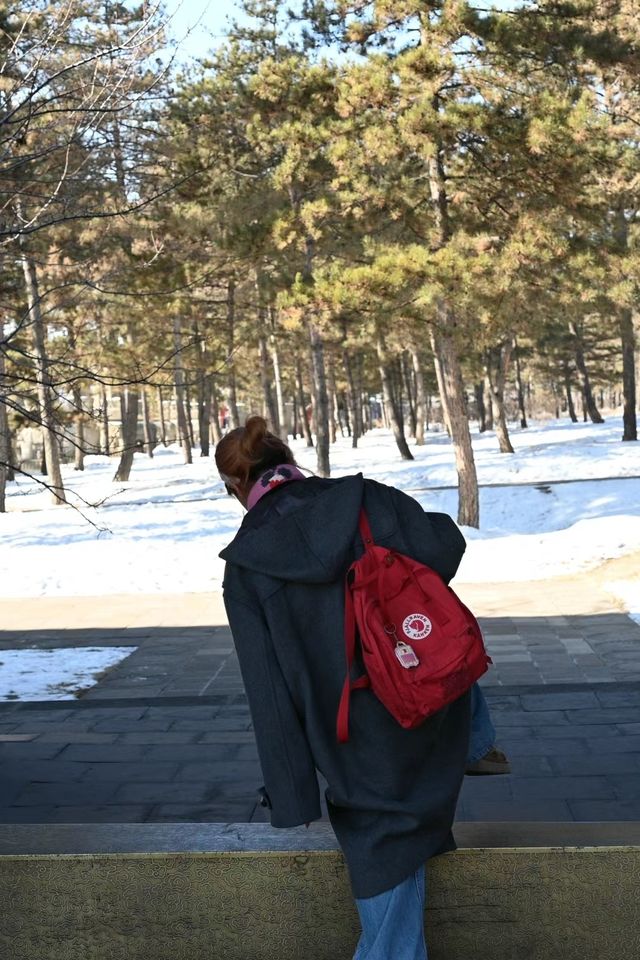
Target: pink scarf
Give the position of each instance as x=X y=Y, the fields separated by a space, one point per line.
x=272 y=478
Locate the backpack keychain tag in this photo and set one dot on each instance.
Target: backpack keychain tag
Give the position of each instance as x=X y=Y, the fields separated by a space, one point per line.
x=406 y=655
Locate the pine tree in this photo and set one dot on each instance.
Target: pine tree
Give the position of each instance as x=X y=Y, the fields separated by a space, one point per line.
x=70 y=76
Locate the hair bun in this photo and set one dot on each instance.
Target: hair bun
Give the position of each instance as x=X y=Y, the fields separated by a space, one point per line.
x=255 y=432
x=245 y=452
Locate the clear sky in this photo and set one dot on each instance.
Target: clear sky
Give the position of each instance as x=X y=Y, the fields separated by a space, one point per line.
x=198 y=24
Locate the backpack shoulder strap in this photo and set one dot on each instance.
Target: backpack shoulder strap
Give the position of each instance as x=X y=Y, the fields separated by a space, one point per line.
x=350 y=630
x=365 y=529
x=362 y=682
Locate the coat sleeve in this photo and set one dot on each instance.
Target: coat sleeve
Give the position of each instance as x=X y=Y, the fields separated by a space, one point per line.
x=291 y=782
x=434 y=538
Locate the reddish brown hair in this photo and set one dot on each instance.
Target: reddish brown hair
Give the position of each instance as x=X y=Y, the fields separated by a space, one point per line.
x=244 y=453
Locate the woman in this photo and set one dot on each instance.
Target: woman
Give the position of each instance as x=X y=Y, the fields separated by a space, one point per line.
x=392 y=792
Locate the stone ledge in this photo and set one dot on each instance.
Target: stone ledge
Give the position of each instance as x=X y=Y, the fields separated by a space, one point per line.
x=103 y=838
x=241 y=892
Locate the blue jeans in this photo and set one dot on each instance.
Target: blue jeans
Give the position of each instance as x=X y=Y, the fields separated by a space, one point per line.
x=393 y=921
x=483 y=732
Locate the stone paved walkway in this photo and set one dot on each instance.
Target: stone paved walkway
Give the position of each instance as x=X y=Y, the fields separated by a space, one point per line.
x=166 y=735
x=193 y=661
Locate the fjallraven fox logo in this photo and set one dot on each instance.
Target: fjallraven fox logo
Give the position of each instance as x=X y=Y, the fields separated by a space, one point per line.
x=416 y=626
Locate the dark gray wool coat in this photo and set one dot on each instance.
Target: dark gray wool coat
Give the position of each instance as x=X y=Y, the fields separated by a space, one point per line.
x=392 y=792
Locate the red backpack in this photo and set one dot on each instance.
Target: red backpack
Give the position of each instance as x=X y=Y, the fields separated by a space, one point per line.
x=421 y=647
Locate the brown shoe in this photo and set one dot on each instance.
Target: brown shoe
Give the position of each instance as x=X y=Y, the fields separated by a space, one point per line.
x=493 y=763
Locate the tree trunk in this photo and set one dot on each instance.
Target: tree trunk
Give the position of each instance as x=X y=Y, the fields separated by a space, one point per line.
x=105 y=440
x=45 y=385
x=628 y=342
x=331 y=415
x=146 y=423
x=128 y=434
x=367 y=413
x=129 y=425
x=362 y=400
x=454 y=402
x=208 y=422
x=321 y=400
x=269 y=411
x=349 y=415
x=78 y=453
x=393 y=408
x=187 y=411
x=354 y=404
x=232 y=392
x=408 y=385
x=312 y=394
x=204 y=412
x=442 y=389
x=566 y=374
x=519 y=386
x=488 y=405
x=183 y=430
x=581 y=364
x=397 y=386
x=497 y=366
x=318 y=374
x=367 y=416
x=386 y=422
x=5 y=439
x=78 y=410
x=343 y=414
x=478 y=390
x=130 y=406
x=163 y=424
x=269 y=406
x=418 y=376
x=302 y=411
x=216 y=432
x=277 y=379
x=448 y=370
x=333 y=398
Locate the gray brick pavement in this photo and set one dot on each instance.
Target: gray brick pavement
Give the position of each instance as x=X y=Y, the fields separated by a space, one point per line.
x=166 y=735
x=199 y=661
x=568 y=764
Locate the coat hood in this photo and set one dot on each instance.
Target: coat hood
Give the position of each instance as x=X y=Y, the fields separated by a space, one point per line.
x=302 y=532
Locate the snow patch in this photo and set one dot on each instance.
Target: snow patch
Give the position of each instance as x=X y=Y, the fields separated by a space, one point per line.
x=55 y=674
x=629 y=592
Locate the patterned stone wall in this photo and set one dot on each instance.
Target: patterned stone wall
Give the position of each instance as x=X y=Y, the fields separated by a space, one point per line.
x=484 y=904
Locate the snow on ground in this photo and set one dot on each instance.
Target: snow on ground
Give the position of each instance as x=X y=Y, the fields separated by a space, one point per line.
x=629 y=592
x=54 y=674
x=162 y=531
